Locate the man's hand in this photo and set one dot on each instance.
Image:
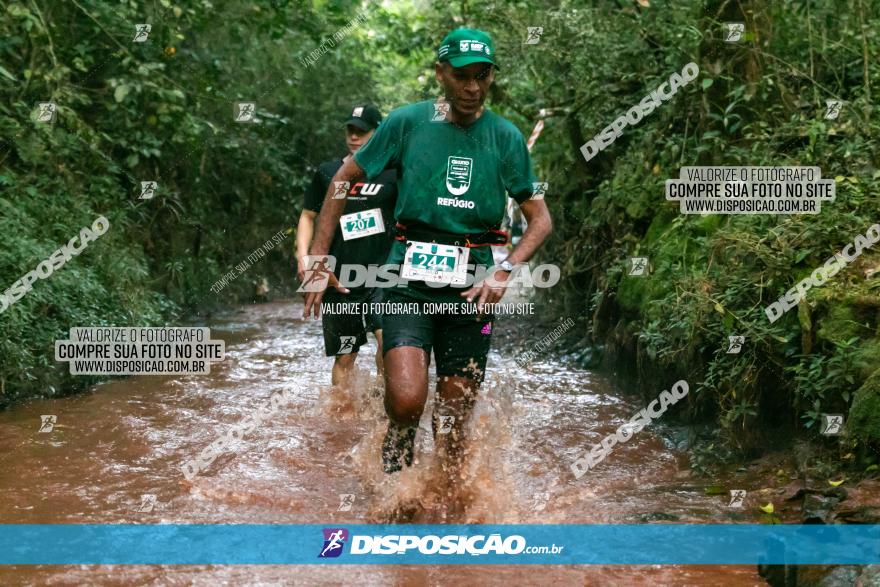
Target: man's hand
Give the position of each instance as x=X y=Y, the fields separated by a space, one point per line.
x=540 y=226
x=317 y=278
x=490 y=291
x=301 y=268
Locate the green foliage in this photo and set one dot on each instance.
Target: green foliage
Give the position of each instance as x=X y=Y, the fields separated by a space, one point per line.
x=759 y=103
x=864 y=418
x=159 y=110
x=824 y=382
x=710 y=453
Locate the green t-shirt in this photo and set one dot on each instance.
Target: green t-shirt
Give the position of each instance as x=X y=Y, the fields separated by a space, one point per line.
x=451 y=178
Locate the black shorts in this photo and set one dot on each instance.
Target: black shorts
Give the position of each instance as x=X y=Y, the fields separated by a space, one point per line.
x=460 y=341
x=345 y=330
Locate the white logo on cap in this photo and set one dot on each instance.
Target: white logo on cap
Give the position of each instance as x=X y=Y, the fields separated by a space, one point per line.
x=471 y=45
x=358 y=112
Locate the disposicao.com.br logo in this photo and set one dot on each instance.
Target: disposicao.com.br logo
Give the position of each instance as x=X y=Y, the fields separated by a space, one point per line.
x=451 y=544
x=334 y=540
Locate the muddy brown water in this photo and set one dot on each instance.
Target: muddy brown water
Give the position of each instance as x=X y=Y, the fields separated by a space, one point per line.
x=128 y=438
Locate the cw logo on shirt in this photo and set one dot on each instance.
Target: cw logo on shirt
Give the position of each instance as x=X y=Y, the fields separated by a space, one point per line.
x=365 y=189
x=458 y=174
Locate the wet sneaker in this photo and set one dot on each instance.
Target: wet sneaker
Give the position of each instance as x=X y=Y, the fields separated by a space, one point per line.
x=398 y=447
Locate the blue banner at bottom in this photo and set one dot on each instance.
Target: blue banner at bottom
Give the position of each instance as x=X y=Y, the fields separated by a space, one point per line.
x=563 y=544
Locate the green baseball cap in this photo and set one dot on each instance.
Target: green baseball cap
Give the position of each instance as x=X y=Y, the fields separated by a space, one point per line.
x=465 y=46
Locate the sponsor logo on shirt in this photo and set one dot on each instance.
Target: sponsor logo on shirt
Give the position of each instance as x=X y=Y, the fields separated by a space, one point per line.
x=458 y=174
x=365 y=189
x=455 y=203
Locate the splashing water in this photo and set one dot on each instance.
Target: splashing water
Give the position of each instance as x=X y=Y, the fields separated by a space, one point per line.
x=318 y=460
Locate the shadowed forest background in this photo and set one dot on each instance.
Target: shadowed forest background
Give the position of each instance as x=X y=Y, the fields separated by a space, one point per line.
x=162 y=110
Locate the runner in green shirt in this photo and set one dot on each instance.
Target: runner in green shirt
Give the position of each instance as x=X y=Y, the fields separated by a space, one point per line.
x=457 y=163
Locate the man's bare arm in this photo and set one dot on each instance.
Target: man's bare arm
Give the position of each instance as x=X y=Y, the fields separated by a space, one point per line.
x=331 y=212
x=539 y=228
x=331 y=209
x=304 y=231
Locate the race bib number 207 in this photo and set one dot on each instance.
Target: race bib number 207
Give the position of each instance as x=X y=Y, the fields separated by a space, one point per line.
x=361 y=224
x=435 y=263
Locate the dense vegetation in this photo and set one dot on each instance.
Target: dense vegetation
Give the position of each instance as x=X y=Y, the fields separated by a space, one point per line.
x=162 y=110
x=761 y=103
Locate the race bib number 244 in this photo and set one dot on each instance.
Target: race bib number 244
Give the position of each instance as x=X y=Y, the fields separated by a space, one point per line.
x=435 y=263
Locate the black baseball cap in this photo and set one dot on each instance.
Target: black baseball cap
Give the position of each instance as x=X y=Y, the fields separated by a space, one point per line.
x=365 y=117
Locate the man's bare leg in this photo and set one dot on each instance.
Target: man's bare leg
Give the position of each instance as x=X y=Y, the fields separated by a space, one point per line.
x=406 y=390
x=454 y=404
x=455 y=399
x=380 y=364
x=343 y=366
